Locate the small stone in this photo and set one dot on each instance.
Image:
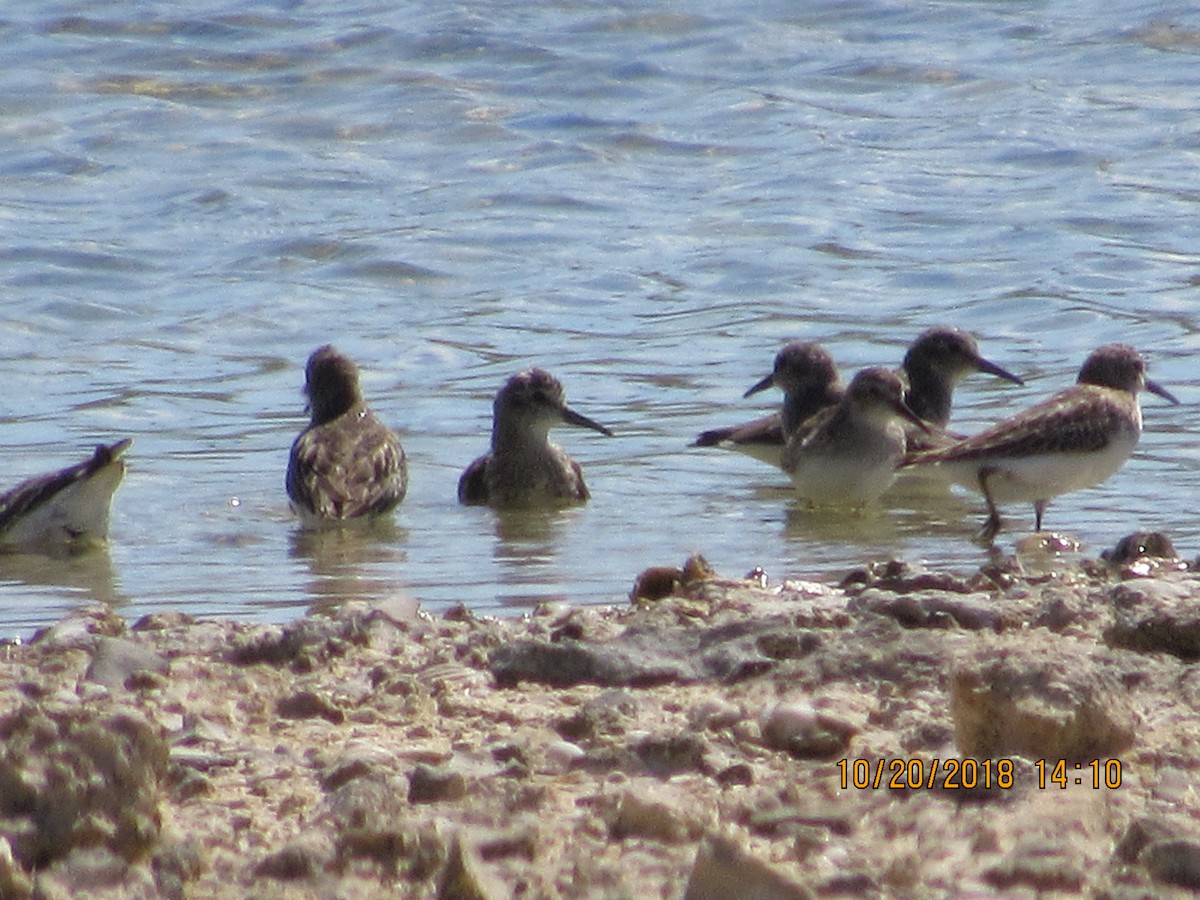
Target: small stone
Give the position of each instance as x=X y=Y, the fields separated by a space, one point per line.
x=1174 y=862
x=430 y=785
x=560 y=756
x=724 y=870
x=715 y=714
x=296 y=861
x=805 y=732
x=117 y=661
x=654 y=812
x=464 y=876
x=310 y=705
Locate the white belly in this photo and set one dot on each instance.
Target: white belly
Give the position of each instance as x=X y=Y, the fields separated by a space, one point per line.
x=1027 y=479
x=841 y=481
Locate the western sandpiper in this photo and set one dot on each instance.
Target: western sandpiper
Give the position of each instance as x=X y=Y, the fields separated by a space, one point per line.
x=523 y=468
x=346 y=464
x=847 y=454
x=934 y=365
x=67 y=507
x=1073 y=440
x=805 y=373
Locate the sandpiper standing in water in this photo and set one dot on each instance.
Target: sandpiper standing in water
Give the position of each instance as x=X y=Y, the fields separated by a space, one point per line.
x=1073 y=440
x=847 y=454
x=805 y=373
x=523 y=468
x=346 y=464
x=66 y=508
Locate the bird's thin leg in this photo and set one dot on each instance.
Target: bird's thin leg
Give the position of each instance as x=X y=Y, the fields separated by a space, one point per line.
x=1039 y=509
x=992 y=526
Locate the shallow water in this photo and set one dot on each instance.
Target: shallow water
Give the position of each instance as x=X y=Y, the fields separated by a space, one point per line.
x=646 y=199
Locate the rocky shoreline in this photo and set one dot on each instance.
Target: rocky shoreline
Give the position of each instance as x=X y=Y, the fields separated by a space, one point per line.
x=1028 y=731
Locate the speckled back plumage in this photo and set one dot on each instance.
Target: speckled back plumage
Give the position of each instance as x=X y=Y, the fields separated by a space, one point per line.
x=346 y=464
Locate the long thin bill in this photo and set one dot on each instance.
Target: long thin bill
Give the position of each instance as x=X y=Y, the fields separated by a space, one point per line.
x=986 y=365
x=573 y=418
x=1155 y=388
x=761 y=385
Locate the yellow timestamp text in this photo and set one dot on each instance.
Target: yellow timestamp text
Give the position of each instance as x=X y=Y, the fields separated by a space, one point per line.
x=974 y=774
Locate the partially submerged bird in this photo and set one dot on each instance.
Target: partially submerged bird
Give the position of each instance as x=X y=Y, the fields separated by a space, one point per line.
x=523 y=468
x=66 y=508
x=346 y=464
x=1075 y=439
x=847 y=454
x=806 y=374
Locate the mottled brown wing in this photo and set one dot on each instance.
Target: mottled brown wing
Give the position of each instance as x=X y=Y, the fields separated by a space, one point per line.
x=472 y=486
x=345 y=469
x=30 y=494
x=1083 y=419
x=765 y=430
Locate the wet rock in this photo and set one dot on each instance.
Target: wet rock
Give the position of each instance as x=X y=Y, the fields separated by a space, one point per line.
x=656 y=583
x=430 y=785
x=75 y=776
x=1140 y=545
x=900 y=577
x=1156 y=615
x=803 y=731
x=1017 y=701
x=723 y=870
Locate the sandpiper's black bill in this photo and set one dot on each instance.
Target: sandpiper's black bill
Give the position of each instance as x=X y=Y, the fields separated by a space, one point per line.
x=573 y=418
x=760 y=385
x=1155 y=388
x=986 y=365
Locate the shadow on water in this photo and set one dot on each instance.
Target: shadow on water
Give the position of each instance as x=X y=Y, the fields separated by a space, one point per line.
x=87 y=573
x=527 y=553
x=351 y=562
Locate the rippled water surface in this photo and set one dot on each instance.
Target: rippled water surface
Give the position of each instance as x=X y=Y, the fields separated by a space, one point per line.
x=647 y=199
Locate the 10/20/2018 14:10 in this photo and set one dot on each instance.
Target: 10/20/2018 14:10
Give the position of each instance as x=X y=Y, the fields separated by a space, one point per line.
x=971 y=774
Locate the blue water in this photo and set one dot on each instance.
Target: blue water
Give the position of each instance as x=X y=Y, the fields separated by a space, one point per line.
x=647 y=199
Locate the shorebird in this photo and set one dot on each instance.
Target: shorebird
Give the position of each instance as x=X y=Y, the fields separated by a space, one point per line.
x=523 y=468
x=69 y=507
x=847 y=454
x=809 y=380
x=1073 y=440
x=934 y=365
x=345 y=464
